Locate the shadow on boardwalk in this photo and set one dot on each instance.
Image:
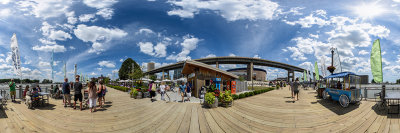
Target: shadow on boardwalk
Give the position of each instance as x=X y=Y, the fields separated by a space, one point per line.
x=335 y=107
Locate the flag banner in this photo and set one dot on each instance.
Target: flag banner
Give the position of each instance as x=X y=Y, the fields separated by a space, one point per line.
x=376 y=62
x=15 y=54
x=316 y=71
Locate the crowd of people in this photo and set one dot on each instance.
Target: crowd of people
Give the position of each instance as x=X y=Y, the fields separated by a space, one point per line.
x=185 y=90
x=95 y=93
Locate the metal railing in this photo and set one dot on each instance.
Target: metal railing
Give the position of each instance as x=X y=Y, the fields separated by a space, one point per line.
x=369 y=92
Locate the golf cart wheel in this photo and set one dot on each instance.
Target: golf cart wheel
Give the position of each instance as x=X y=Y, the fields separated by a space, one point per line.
x=344 y=100
x=325 y=95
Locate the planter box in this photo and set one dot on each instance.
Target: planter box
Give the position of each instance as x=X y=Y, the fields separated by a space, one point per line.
x=214 y=105
x=227 y=104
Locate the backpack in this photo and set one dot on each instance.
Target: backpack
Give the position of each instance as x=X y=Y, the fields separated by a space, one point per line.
x=153 y=87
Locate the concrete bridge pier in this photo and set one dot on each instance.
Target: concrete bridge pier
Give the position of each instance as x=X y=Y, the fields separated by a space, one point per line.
x=250 y=71
x=217 y=64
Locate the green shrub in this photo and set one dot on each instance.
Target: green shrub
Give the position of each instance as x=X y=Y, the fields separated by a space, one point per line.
x=242 y=96
x=235 y=97
x=251 y=93
x=210 y=98
x=277 y=86
x=246 y=94
x=134 y=92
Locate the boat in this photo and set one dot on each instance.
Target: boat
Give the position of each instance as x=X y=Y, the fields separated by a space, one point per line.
x=344 y=87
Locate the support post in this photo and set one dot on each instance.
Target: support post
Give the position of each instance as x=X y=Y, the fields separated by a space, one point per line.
x=162 y=78
x=217 y=64
x=250 y=74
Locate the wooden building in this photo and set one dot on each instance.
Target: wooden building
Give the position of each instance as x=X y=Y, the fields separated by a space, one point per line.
x=199 y=74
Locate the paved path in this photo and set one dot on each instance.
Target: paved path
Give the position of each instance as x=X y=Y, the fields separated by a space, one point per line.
x=269 y=112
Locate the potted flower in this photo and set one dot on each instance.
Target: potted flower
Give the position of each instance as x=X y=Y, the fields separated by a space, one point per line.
x=331 y=69
x=134 y=93
x=227 y=99
x=210 y=100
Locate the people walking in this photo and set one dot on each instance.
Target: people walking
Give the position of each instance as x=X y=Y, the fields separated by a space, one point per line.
x=66 y=91
x=291 y=88
x=12 y=90
x=162 y=90
x=188 y=91
x=78 y=92
x=100 y=94
x=182 y=89
x=295 y=87
x=152 y=89
x=92 y=90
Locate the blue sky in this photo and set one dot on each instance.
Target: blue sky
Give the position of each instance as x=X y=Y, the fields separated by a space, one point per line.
x=99 y=34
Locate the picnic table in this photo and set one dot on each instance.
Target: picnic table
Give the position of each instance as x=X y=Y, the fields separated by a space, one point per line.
x=393 y=99
x=42 y=94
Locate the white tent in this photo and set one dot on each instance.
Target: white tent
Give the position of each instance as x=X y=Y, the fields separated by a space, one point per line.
x=121 y=81
x=182 y=79
x=145 y=79
x=157 y=81
x=166 y=80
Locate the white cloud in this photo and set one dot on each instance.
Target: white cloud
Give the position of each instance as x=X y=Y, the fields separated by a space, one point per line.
x=72 y=47
x=49 y=48
x=99 y=4
x=108 y=64
x=189 y=43
x=121 y=60
x=59 y=35
x=52 y=34
x=146 y=47
x=2 y=55
x=98 y=36
x=5 y=67
x=232 y=54
x=115 y=71
x=314 y=35
x=363 y=52
x=45 y=8
x=5 y=2
x=145 y=31
x=45 y=41
x=44 y=64
x=210 y=55
x=231 y=10
x=106 y=13
x=99 y=69
x=103 y=6
x=71 y=19
x=311 y=20
x=86 y=17
x=5 y=12
x=92 y=74
x=256 y=56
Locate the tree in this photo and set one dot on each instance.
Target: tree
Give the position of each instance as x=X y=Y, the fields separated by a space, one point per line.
x=241 y=78
x=373 y=81
x=153 y=77
x=46 y=81
x=126 y=69
x=398 y=81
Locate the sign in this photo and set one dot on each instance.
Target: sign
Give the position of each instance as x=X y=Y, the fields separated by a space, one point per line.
x=233 y=87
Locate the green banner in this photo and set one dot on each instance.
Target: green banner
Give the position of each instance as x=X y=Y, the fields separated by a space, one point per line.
x=376 y=62
x=316 y=71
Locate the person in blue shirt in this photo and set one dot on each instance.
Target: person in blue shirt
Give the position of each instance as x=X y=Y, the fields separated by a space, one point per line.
x=188 y=90
x=182 y=89
x=66 y=92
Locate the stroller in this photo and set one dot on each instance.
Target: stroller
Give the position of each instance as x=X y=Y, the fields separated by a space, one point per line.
x=85 y=103
x=33 y=99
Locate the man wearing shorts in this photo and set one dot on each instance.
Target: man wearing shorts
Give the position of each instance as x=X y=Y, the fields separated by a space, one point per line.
x=66 y=92
x=12 y=90
x=188 y=91
x=78 y=92
x=182 y=89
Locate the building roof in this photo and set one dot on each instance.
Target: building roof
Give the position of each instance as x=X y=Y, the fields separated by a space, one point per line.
x=186 y=68
x=244 y=68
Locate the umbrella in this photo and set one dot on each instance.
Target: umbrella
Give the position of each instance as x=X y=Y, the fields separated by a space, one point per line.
x=145 y=79
x=157 y=81
x=121 y=81
x=166 y=80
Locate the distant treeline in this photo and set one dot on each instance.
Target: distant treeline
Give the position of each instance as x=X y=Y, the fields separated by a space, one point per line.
x=18 y=81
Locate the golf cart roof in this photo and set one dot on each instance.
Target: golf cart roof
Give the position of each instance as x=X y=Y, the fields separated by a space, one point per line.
x=340 y=75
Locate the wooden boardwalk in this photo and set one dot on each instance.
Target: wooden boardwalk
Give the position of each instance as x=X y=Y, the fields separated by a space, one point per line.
x=269 y=112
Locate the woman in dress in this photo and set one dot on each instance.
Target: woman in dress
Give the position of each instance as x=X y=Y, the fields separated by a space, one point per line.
x=92 y=96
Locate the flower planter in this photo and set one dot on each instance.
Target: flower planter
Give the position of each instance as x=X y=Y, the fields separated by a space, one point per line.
x=215 y=103
x=227 y=104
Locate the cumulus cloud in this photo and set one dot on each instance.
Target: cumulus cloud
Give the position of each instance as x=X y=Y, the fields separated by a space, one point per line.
x=363 y=52
x=108 y=64
x=52 y=34
x=160 y=50
x=86 y=17
x=145 y=31
x=50 y=48
x=45 y=8
x=43 y=64
x=310 y=20
x=121 y=60
x=189 y=43
x=103 y=6
x=98 y=36
x=231 y=10
x=210 y=55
